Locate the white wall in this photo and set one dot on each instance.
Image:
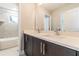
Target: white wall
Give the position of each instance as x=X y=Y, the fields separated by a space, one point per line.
x=71 y=20
x=57 y=12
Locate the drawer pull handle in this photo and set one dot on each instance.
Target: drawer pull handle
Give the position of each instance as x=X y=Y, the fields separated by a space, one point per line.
x=41 y=47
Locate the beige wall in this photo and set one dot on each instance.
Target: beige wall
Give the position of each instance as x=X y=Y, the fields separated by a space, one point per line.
x=32 y=16
x=41 y=12
x=56 y=13
x=27 y=16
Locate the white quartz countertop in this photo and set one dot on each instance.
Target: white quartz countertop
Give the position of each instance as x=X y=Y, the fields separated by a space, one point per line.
x=63 y=40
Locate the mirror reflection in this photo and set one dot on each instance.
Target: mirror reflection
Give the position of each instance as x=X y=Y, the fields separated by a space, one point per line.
x=70 y=20
x=64 y=17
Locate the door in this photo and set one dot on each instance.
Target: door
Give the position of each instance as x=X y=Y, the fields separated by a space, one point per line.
x=28 y=45
x=47 y=24
x=37 y=47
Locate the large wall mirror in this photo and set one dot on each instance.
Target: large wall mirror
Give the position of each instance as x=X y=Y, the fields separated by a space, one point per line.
x=64 y=16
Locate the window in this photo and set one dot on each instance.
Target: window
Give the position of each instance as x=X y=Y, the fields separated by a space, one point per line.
x=13 y=19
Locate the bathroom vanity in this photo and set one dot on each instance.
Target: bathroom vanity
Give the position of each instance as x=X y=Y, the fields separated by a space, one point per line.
x=38 y=44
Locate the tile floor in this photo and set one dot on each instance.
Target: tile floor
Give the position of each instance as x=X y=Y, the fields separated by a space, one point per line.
x=10 y=52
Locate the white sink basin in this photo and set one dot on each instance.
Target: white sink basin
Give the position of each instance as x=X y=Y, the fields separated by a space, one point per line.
x=55 y=36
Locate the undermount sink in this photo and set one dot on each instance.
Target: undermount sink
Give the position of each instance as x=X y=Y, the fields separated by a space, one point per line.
x=54 y=36
x=48 y=35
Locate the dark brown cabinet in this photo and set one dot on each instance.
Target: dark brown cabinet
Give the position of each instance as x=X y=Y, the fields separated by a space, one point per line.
x=77 y=53
x=64 y=51
x=37 y=47
x=28 y=45
x=52 y=49
x=49 y=49
x=32 y=46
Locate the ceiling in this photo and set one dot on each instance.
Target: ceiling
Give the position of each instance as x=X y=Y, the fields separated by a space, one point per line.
x=51 y=6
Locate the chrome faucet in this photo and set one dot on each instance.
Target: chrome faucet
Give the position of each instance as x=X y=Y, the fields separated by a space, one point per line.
x=38 y=30
x=57 y=31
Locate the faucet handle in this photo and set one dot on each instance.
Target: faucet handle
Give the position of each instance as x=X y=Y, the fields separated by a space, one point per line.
x=58 y=29
x=38 y=30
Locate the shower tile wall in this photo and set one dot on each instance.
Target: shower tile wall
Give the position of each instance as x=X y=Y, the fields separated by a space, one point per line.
x=7 y=29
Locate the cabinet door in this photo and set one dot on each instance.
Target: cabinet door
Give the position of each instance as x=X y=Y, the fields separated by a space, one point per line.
x=63 y=51
x=37 y=47
x=77 y=53
x=52 y=49
x=28 y=45
x=69 y=52
x=49 y=49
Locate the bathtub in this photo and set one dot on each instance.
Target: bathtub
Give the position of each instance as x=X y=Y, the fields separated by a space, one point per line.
x=8 y=42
